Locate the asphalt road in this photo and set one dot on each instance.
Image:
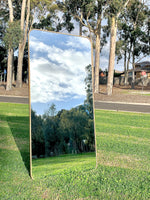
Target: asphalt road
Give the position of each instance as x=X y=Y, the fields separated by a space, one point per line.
x=121 y=106
x=12 y=99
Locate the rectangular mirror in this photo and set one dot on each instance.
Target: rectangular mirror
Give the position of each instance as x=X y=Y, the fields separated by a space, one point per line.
x=62 y=126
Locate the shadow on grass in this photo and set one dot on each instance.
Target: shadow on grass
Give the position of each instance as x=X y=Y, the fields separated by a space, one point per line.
x=19 y=127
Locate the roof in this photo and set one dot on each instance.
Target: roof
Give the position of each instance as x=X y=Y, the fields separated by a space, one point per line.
x=143 y=64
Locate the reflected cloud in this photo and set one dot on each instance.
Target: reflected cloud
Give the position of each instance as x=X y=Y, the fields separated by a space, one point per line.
x=58 y=72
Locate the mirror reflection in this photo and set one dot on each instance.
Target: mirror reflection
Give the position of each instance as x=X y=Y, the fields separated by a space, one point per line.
x=61 y=98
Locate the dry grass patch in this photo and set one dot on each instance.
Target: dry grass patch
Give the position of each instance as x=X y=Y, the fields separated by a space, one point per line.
x=122 y=160
x=126 y=138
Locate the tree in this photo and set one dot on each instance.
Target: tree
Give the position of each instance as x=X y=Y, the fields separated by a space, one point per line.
x=51 y=136
x=114 y=10
x=10 y=51
x=133 y=31
x=89 y=14
x=51 y=111
x=4 y=16
x=20 y=11
x=88 y=103
x=75 y=128
x=24 y=24
x=38 y=145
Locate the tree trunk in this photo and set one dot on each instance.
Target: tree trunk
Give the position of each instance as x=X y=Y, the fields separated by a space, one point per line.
x=80 y=28
x=112 y=56
x=133 y=71
x=92 y=62
x=126 y=75
x=13 y=70
x=19 y=68
x=97 y=62
x=10 y=52
x=21 y=49
x=23 y=41
x=9 y=69
x=125 y=62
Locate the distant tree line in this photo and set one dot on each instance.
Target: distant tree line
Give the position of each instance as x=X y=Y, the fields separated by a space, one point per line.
x=68 y=131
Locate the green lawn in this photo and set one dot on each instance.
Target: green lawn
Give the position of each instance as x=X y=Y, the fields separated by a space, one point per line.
x=123 y=139
x=123 y=146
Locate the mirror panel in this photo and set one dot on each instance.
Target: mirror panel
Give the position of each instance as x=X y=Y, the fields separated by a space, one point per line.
x=62 y=126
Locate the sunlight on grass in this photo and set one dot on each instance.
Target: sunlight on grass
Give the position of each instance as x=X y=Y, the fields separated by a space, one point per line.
x=57 y=165
x=123 y=154
x=123 y=139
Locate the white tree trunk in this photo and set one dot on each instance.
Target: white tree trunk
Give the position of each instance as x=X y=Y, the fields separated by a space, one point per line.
x=112 y=56
x=10 y=52
x=97 y=62
x=23 y=41
x=9 y=69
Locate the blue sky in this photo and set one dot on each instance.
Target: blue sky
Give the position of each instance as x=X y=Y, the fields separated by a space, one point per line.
x=57 y=70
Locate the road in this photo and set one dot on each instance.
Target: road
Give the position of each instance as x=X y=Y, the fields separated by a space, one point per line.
x=119 y=106
x=122 y=106
x=13 y=99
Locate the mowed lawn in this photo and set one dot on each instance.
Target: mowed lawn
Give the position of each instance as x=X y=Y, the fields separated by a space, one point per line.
x=123 y=139
x=123 y=145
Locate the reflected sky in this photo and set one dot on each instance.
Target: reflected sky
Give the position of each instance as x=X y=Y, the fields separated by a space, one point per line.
x=57 y=70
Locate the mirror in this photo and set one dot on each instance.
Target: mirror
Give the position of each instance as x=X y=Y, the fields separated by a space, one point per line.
x=62 y=126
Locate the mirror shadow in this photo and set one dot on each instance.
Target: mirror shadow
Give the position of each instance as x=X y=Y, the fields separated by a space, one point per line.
x=62 y=125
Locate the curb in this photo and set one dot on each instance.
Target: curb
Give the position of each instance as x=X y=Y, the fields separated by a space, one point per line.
x=119 y=102
x=14 y=96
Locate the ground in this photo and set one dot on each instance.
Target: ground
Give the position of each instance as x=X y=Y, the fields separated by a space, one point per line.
x=23 y=92
x=120 y=93
x=124 y=94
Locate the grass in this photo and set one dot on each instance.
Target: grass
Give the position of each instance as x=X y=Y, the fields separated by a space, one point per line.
x=123 y=154
x=57 y=165
x=123 y=139
x=146 y=94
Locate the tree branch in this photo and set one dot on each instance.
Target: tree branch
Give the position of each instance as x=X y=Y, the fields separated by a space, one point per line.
x=118 y=14
x=81 y=20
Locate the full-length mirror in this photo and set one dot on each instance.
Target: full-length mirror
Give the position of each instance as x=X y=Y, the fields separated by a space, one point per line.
x=62 y=126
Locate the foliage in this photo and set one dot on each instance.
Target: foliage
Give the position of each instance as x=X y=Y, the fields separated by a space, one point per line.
x=67 y=132
x=133 y=31
x=13 y=35
x=37 y=135
x=3 y=20
x=52 y=21
x=89 y=90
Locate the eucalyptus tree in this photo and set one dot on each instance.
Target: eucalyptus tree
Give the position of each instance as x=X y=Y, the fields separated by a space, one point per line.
x=29 y=10
x=10 y=50
x=24 y=24
x=4 y=17
x=89 y=13
x=12 y=37
x=114 y=10
x=22 y=13
x=134 y=35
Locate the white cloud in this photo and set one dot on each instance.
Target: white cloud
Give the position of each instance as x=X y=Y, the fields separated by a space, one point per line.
x=79 y=42
x=59 y=75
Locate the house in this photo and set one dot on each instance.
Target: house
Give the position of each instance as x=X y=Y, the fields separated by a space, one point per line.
x=142 y=69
